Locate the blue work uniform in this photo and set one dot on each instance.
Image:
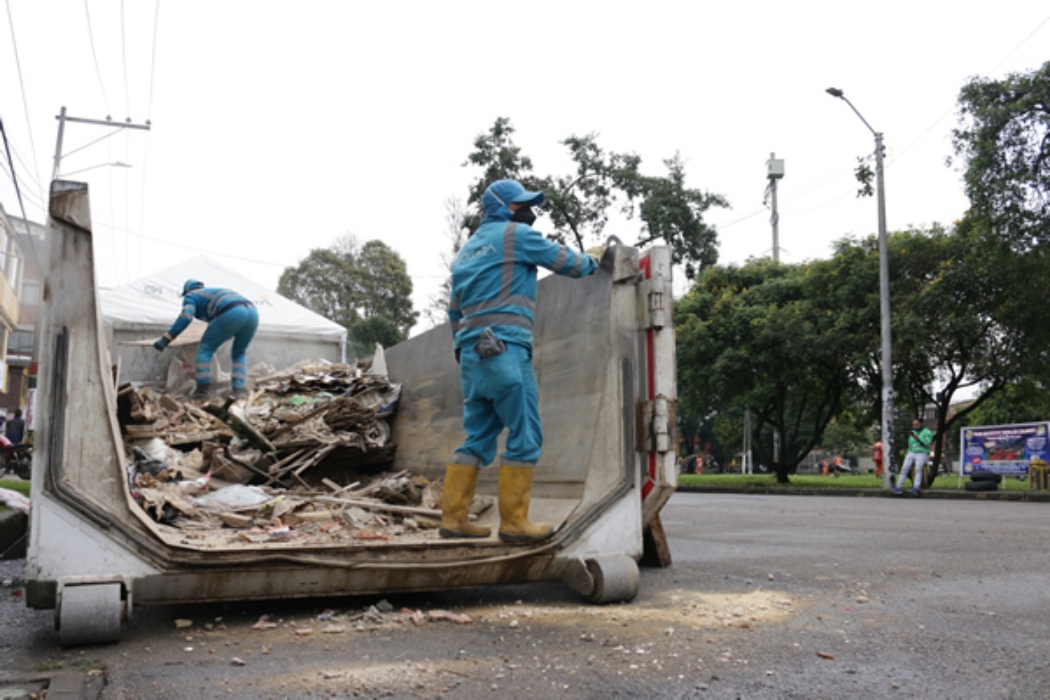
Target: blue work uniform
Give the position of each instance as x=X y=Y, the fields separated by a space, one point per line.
x=494 y=286
x=228 y=315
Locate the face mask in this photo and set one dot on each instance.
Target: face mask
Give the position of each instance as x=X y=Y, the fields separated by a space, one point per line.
x=524 y=215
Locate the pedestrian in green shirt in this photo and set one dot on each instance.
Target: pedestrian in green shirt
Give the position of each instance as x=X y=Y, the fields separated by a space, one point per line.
x=919 y=443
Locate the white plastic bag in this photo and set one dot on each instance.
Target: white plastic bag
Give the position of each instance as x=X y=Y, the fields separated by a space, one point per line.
x=13 y=499
x=233 y=496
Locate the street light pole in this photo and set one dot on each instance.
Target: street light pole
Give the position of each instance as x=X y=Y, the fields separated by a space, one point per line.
x=884 y=299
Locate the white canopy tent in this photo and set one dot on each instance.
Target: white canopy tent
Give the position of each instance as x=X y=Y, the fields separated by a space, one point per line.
x=139 y=312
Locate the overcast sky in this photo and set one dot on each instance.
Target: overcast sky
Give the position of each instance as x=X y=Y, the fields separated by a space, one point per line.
x=278 y=127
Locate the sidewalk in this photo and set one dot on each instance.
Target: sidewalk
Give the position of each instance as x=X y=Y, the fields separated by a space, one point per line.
x=954 y=494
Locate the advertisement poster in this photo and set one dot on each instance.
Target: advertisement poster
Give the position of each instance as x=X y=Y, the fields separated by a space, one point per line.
x=1003 y=449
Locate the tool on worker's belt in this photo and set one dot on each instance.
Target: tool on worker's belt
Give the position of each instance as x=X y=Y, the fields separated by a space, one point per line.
x=489 y=345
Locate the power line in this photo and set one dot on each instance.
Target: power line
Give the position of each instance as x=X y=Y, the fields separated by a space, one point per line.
x=149 y=115
x=94 y=56
x=22 y=86
x=153 y=60
x=1020 y=44
x=34 y=198
x=18 y=192
x=124 y=60
x=188 y=247
x=897 y=156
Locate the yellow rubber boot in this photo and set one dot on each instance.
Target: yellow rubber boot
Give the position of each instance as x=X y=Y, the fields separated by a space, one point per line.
x=460 y=482
x=515 y=495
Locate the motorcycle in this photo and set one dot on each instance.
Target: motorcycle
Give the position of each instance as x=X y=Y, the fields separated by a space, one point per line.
x=16 y=458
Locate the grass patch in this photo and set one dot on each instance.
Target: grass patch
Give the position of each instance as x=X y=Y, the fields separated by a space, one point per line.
x=21 y=486
x=50 y=666
x=819 y=481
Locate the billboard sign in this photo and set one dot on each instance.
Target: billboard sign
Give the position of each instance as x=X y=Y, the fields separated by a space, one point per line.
x=1004 y=449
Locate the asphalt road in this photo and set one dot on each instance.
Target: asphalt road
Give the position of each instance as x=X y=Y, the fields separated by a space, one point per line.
x=768 y=597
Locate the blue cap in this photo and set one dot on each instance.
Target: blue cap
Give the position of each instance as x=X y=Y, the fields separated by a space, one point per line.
x=503 y=192
x=190 y=286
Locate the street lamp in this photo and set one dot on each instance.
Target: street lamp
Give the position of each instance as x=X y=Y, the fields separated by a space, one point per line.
x=884 y=300
x=116 y=164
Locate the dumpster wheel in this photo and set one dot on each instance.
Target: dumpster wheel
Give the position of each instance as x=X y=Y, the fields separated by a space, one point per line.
x=615 y=579
x=89 y=614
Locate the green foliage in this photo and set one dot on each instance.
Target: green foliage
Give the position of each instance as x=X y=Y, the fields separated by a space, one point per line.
x=323 y=283
x=865 y=176
x=579 y=203
x=376 y=329
x=849 y=433
x=965 y=310
x=352 y=285
x=1024 y=401
x=1004 y=140
x=21 y=486
x=385 y=289
x=770 y=338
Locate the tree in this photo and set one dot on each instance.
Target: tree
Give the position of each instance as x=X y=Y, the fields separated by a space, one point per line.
x=364 y=288
x=500 y=159
x=763 y=337
x=456 y=231
x=385 y=289
x=1024 y=401
x=579 y=204
x=366 y=333
x=323 y=282
x=1004 y=139
x=964 y=319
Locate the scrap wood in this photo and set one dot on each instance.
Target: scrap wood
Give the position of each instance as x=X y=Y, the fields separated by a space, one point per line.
x=292 y=422
x=242 y=427
x=336 y=488
x=247 y=464
x=314 y=458
x=285 y=466
x=203 y=415
x=373 y=505
x=378 y=484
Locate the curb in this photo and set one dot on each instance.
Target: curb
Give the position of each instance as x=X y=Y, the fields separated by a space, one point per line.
x=943 y=494
x=58 y=685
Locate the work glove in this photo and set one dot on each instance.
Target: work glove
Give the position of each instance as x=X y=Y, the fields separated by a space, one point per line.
x=160 y=344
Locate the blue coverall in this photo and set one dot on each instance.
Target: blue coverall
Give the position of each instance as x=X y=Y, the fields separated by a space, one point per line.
x=494 y=286
x=228 y=315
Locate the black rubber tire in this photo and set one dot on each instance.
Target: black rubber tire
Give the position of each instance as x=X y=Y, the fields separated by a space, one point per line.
x=23 y=464
x=985 y=475
x=980 y=486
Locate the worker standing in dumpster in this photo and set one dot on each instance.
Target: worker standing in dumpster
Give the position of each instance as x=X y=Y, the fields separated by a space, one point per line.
x=491 y=307
x=228 y=315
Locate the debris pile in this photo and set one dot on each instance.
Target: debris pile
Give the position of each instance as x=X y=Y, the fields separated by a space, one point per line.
x=256 y=471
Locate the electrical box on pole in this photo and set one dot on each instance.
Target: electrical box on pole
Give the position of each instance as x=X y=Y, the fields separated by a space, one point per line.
x=774 y=167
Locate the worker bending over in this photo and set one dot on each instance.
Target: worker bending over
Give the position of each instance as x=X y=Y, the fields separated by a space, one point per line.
x=228 y=315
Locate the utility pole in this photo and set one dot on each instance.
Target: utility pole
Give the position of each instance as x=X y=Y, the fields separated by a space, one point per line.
x=884 y=298
x=62 y=119
x=745 y=459
x=774 y=171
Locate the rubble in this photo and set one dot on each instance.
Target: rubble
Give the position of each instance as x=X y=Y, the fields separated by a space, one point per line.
x=299 y=462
